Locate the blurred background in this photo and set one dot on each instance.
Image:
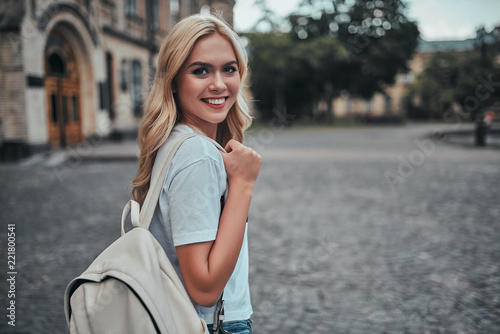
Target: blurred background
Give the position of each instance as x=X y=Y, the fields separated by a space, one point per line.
x=377 y=205
x=372 y=61
x=75 y=69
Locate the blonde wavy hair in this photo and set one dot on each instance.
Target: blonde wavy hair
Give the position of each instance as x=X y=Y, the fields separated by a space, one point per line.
x=161 y=111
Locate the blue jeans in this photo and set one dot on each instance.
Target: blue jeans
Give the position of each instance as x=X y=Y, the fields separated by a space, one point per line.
x=235 y=327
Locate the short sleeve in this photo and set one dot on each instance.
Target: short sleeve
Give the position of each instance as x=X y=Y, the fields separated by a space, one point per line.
x=194 y=195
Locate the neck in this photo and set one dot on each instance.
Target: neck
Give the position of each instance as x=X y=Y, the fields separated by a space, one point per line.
x=209 y=130
x=212 y=132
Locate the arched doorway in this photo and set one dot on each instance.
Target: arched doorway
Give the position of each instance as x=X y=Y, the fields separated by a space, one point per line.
x=62 y=92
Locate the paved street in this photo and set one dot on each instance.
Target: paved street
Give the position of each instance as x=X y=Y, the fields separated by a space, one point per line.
x=363 y=230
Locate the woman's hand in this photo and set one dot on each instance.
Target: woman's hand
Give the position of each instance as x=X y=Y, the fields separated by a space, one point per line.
x=242 y=164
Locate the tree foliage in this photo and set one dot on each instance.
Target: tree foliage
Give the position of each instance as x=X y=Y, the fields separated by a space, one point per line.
x=291 y=75
x=377 y=35
x=331 y=46
x=467 y=80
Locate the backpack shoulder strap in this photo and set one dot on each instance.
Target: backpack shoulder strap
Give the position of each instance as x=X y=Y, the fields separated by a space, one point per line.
x=141 y=217
x=156 y=184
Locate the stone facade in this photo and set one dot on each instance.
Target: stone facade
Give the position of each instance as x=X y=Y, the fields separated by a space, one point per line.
x=79 y=68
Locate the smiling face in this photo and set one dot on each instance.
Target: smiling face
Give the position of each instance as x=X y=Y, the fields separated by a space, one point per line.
x=207 y=83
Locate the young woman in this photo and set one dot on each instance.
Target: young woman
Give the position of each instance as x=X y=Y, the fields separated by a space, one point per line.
x=201 y=69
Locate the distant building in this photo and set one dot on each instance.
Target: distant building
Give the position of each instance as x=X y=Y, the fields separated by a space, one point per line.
x=393 y=102
x=79 y=68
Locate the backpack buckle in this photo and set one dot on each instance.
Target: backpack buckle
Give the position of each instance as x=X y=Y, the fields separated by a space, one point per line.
x=219 y=318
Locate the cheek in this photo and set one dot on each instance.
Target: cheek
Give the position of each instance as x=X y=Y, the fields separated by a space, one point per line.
x=234 y=84
x=190 y=87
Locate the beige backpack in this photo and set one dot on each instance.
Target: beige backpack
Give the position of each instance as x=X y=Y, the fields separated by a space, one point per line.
x=131 y=287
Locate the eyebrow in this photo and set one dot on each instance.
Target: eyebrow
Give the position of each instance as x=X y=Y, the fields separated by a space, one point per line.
x=199 y=63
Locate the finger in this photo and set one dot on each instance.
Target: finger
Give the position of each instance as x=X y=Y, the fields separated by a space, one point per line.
x=225 y=155
x=231 y=145
x=228 y=146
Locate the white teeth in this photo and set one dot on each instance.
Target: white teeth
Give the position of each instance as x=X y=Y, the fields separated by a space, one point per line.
x=215 y=101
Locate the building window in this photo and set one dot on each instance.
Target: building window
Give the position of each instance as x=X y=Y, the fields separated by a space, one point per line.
x=155 y=24
x=349 y=105
x=408 y=78
x=174 y=12
x=123 y=76
x=110 y=85
x=131 y=7
x=137 y=88
x=388 y=104
x=368 y=106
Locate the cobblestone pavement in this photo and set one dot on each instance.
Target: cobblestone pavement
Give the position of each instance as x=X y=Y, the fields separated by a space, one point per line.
x=368 y=230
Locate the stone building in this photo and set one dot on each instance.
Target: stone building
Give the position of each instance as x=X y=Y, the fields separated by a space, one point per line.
x=73 y=69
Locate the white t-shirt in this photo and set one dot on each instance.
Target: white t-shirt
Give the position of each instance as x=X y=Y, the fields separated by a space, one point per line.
x=189 y=209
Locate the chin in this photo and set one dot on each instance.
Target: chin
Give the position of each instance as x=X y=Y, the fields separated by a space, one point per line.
x=219 y=118
x=219 y=121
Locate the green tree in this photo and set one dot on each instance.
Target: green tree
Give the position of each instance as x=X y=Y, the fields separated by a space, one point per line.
x=291 y=75
x=467 y=80
x=331 y=47
x=377 y=35
x=269 y=54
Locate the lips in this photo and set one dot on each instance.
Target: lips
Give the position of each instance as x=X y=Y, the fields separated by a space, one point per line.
x=216 y=103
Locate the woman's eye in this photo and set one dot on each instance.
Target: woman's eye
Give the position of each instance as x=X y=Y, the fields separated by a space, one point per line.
x=200 y=71
x=230 y=69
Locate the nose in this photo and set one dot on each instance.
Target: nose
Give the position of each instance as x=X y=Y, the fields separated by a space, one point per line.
x=217 y=84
